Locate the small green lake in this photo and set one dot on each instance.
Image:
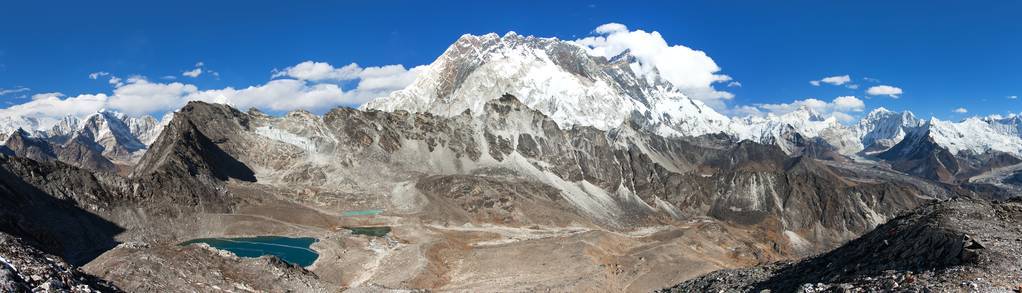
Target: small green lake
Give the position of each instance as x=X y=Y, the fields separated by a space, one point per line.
x=369 y=231
x=362 y=213
x=294 y=250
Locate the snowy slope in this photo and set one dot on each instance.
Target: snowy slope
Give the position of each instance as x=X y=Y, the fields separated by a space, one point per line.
x=976 y=135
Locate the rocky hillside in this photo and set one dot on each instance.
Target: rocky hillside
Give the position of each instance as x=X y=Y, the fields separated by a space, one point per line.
x=23 y=268
x=957 y=245
x=617 y=179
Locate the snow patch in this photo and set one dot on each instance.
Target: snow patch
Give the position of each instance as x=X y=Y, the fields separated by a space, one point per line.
x=286 y=137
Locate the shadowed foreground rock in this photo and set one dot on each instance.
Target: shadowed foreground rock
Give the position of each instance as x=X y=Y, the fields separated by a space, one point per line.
x=26 y=269
x=956 y=245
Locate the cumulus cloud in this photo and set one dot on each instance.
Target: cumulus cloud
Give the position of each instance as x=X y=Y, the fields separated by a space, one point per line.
x=832 y=80
x=278 y=95
x=47 y=108
x=839 y=108
x=609 y=28
x=389 y=76
x=960 y=110
x=373 y=81
x=692 y=71
x=320 y=71
x=138 y=95
x=884 y=90
x=734 y=84
x=14 y=90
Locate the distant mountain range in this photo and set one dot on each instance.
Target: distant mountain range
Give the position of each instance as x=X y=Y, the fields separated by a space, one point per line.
x=512 y=163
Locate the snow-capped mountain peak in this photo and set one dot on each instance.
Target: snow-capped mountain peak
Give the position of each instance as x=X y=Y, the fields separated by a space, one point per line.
x=120 y=137
x=558 y=78
x=882 y=128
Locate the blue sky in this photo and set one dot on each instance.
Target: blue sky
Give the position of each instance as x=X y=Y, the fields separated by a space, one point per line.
x=943 y=54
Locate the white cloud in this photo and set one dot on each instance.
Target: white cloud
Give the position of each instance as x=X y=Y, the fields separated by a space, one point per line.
x=196 y=71
x=609 y=28
x=852 y=86
x=320 y=71
x=692 y=71
x=884 y=90
x=960 y=110
x=833 y=80
x=734 y=84
x=98 y=74
x=389 y=78
x=372 y=81
x=839 y=108
x=138 y=95
x=193 y=73
x=278 y=95
x=13 y=90
x=48 y=108
x=870 y=79
x=1013 y=97
x=848 y=103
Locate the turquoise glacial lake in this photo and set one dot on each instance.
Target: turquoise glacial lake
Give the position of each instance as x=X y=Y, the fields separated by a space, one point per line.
x=362 y=213
x=294 y=250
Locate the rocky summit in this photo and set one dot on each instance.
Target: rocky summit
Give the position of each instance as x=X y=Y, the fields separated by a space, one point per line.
x=512 y=163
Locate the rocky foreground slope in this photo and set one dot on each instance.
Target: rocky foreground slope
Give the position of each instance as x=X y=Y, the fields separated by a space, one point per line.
x=23 y=268
x=949 y=246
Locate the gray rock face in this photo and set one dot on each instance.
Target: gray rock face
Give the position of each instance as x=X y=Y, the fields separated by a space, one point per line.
x=623 y=177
